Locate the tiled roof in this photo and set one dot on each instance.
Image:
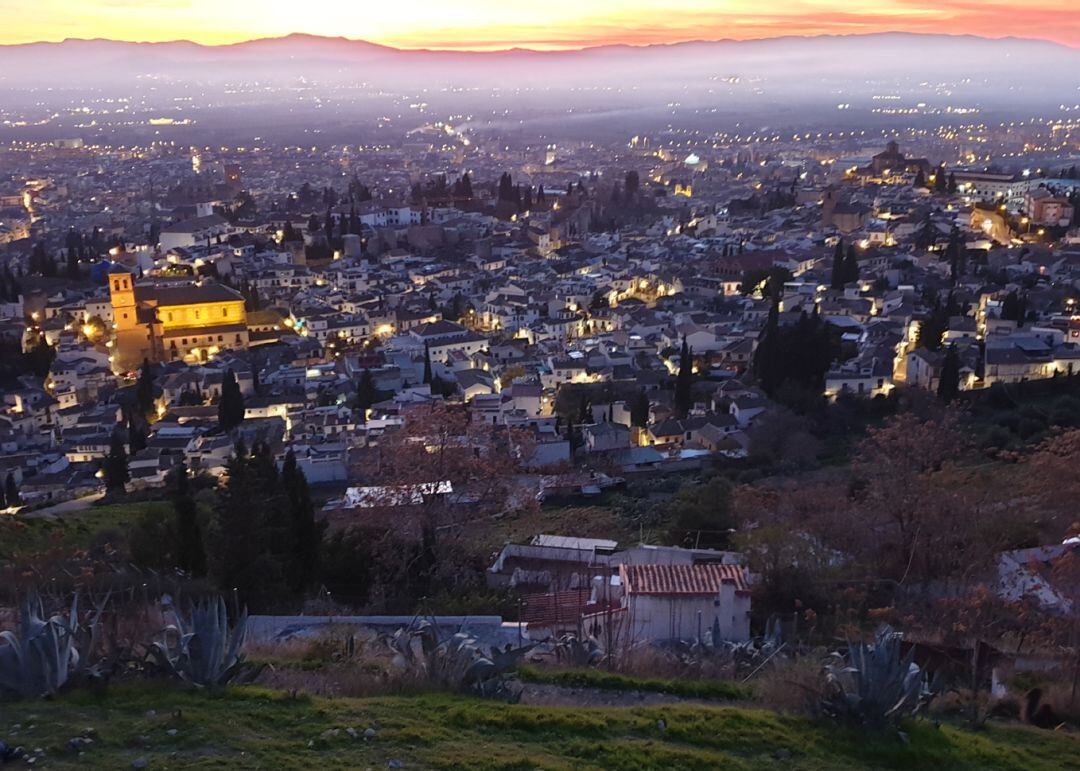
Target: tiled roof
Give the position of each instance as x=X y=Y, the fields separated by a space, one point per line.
x=703 y=580
x=187 y=294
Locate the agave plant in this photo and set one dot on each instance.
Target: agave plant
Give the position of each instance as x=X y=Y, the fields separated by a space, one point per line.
x=204 y=650
x=456 y=661
x=43 y=655
x=576 y=652
x=875 y=685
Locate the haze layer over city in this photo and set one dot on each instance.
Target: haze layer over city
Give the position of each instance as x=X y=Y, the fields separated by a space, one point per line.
x=564 y=385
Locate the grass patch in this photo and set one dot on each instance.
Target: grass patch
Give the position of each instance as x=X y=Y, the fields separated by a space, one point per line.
x=587 y=521
x=612 y=681
x=239 y=728
x=24 y=535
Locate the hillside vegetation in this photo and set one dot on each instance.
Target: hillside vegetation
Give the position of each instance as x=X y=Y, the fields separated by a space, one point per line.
x=255 y=728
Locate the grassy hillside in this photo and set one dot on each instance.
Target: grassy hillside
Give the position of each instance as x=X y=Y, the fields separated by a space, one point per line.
x=255 y=728
x=75 y=530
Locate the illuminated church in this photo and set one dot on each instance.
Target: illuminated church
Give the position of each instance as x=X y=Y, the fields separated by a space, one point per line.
x=170 y=322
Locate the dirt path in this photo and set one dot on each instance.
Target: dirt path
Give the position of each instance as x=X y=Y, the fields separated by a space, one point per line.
x=67 y=507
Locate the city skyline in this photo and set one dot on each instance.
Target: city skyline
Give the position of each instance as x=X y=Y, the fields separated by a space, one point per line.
x=560 y=24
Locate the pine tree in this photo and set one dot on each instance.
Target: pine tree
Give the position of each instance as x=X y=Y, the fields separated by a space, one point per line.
x=684 y=399
x=949 y=380
x=116 y=466
x=231 y=403
x=190 y=550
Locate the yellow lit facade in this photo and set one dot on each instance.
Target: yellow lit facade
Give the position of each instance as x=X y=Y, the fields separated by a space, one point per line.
x=170 y=322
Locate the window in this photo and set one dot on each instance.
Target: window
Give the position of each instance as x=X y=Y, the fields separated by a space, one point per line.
x=197 y=312
x=170 y=316
x=225 y=312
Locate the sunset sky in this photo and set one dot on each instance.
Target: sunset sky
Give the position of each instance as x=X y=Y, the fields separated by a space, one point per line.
x=486 y=24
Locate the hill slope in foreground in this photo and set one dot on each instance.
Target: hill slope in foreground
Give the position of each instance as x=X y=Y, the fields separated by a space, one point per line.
x=156 y=727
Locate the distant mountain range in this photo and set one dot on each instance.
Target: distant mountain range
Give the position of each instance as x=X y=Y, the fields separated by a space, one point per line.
x=1001 y=63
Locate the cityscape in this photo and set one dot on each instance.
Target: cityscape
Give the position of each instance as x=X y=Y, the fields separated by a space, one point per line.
x=483 y=387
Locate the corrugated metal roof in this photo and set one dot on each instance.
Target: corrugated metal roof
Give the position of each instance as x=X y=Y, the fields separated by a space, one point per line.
x=701 y=580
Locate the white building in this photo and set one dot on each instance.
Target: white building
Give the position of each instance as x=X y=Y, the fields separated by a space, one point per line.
x=675 y=602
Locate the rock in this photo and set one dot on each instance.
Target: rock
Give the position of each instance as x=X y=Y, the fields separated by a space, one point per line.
x=395 y=763
x=172 y=732
x=330 y=733
x=352 y=732
x=782 y=754
x=7 y=752
x=151 y=713
x=140 y=762
x=369 y=733
x=661 y=725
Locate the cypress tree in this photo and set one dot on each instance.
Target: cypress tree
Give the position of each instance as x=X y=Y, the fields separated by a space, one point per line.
x=639 y=409
x=251 y=533
x=231 y=404
x=11 y=490
x=684 y=399
x=190 y=550
x=851 y=265
x=116 y=466
x=766 y=363
x=949 y=381
x=144 y=389
x=427 y=363
x=366 y=394
x=838 y=266
x=136 y=433
x=306 y=533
